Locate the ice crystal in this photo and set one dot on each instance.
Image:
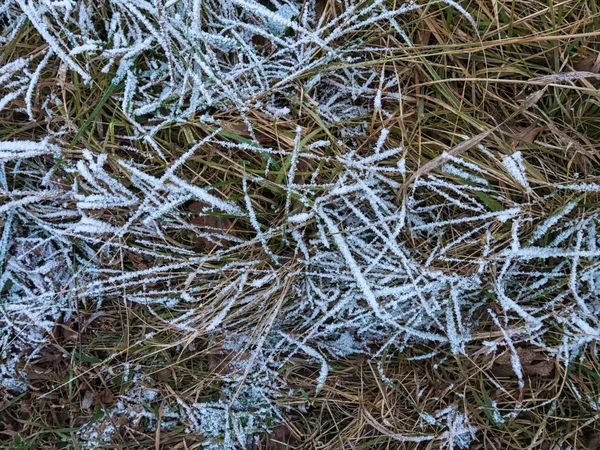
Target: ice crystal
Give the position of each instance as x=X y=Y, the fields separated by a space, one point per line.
x=349 y=280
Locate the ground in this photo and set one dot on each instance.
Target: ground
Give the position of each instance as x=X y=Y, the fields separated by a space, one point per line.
x=326 y=224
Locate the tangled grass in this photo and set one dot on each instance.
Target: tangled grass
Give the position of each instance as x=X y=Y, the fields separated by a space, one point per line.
x=330 y=224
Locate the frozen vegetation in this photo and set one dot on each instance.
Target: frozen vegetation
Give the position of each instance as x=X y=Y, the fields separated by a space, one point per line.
x=367 y=255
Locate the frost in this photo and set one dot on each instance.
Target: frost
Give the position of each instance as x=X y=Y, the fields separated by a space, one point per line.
x=17 y=150
x=516 y=168
x=364 y=255
x=543 y=228
x=300 y=218
x=234 y=421
x=460 y=432
x=496 y=414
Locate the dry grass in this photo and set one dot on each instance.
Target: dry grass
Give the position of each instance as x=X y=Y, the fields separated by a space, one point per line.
x=455 y=85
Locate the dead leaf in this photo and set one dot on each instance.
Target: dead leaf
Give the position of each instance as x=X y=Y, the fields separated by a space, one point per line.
x=259 y=41
x=68 y=333
x=593 y=442
x=225 y=364
x=104 y=398
x=320 y=6
x=88 y=400
x=197 y=207
x=218 y=223
x=589 y=63
x=423 y=36
x=523 y=135
x=212 y=224
x=35 y=374
x=137 y=261
x=533 y=364
x=50 y=353
x=238 y=129
x=542 y=368
x=503 y=370
x=526 y=356
x=303 y=167
x=280 y=438
x=163 y=374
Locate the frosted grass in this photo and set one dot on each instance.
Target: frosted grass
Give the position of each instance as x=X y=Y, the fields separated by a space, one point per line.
x=357 y=284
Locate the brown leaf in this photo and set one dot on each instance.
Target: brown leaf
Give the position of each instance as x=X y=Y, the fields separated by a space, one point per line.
x=68 y=333
x=213 y=362
x=218 y=223
x=224 y=363
x=104 y=398
x=163 y=374
x=212 y=224
x=503 y=370
x=423 y=36
x=593 y=442
x=259 y=41
x=589 y=63
x=543 y=368
x=88 y=400
x=281 y=437
x=524 y=135
x=301 y=166
x=320 y=6
x=136 y=260
x=197 y=207
x=238 y=129
x=50 y=353
x=532 y=362
x=37 y=373
x=526 y=356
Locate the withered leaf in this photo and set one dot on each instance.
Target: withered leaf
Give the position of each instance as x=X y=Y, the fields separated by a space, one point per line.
x=301 y=166
x=137 y=261
x=50 y=354
x=526 y=356
x=542 y=368
x=503 y=370
x=518 y=135
x=197 y=207
x=224 y=364
x=105 y=397
x=593 y=441
x=88 y=400
x=589 y=63
x=163 y=374
x=259 y=41
x=218 y=225
x=532 y=362
x=281 y=436
x=39 y=375
x=68 y=333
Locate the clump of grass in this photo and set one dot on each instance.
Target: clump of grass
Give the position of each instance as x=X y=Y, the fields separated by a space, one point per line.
x=299 y=225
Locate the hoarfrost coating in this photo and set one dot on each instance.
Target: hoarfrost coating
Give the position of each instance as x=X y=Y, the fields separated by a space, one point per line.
x=351 y=282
